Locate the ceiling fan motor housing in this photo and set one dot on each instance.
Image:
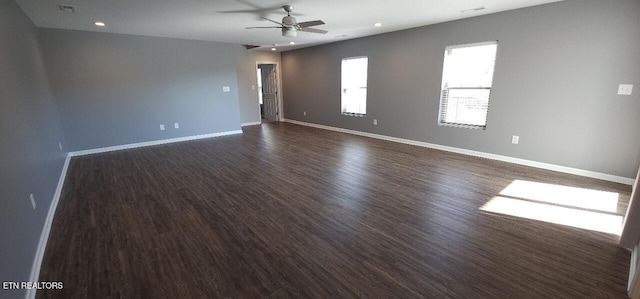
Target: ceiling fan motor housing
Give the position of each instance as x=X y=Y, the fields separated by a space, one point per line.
x=289 y=21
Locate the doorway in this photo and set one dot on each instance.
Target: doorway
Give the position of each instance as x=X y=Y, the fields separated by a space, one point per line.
x=268 y=91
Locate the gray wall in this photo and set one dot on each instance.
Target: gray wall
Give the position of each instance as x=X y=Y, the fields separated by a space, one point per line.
x=114 y=89
x=557 y=73
x=30 y=160
x=246 y=61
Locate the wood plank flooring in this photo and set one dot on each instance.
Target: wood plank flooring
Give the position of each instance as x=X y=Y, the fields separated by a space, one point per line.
x=286 y=211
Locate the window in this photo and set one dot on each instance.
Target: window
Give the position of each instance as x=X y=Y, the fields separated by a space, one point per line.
x=466 y=84
x=354 y=86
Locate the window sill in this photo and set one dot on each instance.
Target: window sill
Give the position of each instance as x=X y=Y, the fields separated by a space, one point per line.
x=353 y=114
x=473 y=127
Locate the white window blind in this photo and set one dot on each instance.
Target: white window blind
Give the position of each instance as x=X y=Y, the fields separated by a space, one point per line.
x=354 y=85
x=467 y=78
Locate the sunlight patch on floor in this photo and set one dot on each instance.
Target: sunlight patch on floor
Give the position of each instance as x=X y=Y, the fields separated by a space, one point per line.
x=576 y=207
x=563 y=195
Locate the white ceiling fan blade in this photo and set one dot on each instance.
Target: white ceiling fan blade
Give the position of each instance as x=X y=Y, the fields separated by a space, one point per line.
x=313 y=30
x=310 y=23
x=270 y=20
x=263 y=27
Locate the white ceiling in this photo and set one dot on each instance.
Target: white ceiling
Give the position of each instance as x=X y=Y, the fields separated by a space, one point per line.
x=225 y=20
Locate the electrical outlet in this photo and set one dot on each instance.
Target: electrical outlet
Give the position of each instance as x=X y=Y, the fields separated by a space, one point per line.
x=375 y=122
x=515 y=139
x=226 y=89
x=60 y=145
x=176 y=125
x=625 y=89
x=304 y=113
x=161 y=127
x=33 y=201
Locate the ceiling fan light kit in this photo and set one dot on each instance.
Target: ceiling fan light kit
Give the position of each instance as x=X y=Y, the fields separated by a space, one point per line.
x=289 y=32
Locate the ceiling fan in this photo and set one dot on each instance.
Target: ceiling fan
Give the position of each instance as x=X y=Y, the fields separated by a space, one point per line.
x=290 y=26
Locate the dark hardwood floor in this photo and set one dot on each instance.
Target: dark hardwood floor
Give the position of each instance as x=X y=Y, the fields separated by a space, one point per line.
x=286 y=211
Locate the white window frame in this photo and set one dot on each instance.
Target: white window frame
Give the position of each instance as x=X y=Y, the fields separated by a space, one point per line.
x=343 y=88
x=444 y=91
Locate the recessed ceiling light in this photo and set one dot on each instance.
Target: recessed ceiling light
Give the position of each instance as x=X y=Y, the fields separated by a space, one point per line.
x=292 y=43
x=273 y=49
x=99 y=24
x=377 y=24
x=472 y=10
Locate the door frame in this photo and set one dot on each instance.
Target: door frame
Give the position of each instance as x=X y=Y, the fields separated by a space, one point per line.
x=280 y=115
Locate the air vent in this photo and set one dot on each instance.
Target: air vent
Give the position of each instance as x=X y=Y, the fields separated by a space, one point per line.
x=67 y=8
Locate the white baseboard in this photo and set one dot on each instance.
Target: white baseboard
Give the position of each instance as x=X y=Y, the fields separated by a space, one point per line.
x=44 y=236
x=632 y=284
x=150 y=143
x=558 y=168
x=256 y=123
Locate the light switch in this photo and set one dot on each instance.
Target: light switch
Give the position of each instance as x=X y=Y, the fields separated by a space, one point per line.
x=226 y=88
x=161 y=127
x=176 y=125
x=253 y=87
x=625 y=89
